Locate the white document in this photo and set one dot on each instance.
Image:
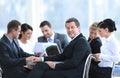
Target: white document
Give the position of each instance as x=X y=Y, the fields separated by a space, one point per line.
x=39 y=48
x=46 y=48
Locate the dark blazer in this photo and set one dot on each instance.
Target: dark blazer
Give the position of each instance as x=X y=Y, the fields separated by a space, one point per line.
x=11 y=62
x=73 y=57
x=95 y=45
x=60 y=39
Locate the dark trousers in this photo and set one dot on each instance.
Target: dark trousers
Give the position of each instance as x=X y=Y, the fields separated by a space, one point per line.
x=42 y=70
x=21 y=73
x=100 y=72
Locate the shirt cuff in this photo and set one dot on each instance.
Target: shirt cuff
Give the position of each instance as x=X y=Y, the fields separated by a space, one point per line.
x=42 y=59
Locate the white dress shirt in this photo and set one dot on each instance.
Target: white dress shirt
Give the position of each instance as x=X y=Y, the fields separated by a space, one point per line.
x=109 y=52
x=28 y=47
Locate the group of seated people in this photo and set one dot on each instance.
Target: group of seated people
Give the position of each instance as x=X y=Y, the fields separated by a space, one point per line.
x=48 y=33
x=18 y=61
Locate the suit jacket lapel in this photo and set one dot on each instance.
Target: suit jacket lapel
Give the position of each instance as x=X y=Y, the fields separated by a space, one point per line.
x=55 y=37
x=17 y=44
x=8 y=43
x=56 y=40
x=80 y=35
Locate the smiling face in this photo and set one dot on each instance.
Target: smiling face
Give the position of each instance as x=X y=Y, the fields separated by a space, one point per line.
x=93 y=34
x=27 y=34
x=72 y=29
x=47 y=31
x=93 y=30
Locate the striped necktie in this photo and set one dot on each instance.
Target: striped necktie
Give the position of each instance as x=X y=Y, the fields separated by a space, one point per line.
x=50 y=40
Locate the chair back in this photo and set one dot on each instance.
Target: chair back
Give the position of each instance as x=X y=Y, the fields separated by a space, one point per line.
x=115 y=71
x=87 y=66
x=1 y=72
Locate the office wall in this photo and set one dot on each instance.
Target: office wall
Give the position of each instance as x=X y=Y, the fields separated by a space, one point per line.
x=57 y=12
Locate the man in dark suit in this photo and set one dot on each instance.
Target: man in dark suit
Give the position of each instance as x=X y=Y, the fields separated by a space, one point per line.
x=50 y=36
x=70 y=64
x=12 y=57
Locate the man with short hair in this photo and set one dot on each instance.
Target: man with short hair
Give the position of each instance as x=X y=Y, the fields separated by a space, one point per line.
x=50 y=36
x=70 y=64
x=12 y=57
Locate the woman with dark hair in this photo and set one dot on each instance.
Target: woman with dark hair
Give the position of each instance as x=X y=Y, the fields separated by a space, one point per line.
x=24 y=37
x=109 y=50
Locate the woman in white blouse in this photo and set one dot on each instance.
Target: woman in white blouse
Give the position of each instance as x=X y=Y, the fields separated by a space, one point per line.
x=109 y=50
x=24 y=38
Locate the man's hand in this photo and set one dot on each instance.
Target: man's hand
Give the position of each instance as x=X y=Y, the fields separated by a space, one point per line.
x=38 y=54
x=33 y=59
x=37 y=59
x=51 y=64
x=30 y=59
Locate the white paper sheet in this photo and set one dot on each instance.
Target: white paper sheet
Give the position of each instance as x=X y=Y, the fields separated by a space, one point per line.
x=40 y=47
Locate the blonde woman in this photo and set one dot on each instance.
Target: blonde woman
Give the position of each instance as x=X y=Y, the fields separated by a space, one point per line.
x=95 y=44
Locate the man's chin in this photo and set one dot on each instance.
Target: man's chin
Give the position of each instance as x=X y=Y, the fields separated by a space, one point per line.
x=47 y=36
x=71 y=36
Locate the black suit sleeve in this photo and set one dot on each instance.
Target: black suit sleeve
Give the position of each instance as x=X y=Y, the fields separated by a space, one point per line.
x=79 y=53
x=73 y=56
x=7 y=59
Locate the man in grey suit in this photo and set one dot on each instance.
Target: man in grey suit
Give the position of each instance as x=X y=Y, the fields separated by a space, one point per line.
x=50 y=36
x=71 y=61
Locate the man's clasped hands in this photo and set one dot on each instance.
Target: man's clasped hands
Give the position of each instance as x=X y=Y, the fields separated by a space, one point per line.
x=32 y=60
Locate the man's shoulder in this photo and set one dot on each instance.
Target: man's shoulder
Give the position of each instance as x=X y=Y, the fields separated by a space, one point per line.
x=81 y=36
x=3 y=42
x=3 y=39
x=41 y=37
x=59 y=34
